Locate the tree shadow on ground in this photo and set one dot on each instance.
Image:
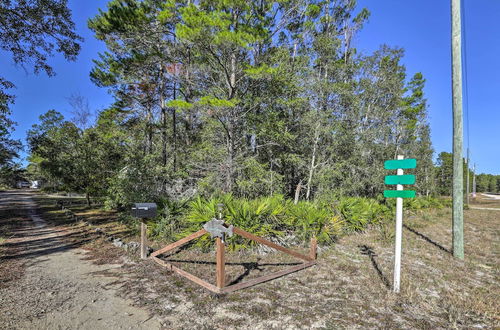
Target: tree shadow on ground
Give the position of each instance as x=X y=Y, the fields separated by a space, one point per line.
x=45 y=243
x=248 y=266
x=367 y=250
x=427 y=239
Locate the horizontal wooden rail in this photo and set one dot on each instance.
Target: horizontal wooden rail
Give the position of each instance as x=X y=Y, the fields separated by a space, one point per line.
x=187 y=275
x=310 y=260
x=261 y=240
x=266 y=278
x=180 y=242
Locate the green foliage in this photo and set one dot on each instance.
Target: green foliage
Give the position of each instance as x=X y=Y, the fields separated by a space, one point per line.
x=421 y=203
x=358 y=213
x=9 y=147
x=386 y=232
x=31 y=31
x=488 y=183
x=232 y=101
x=275 y=218
x=313 y=219
x=444 y=173
x=259 y=216
x=255 y=179
x=70 y=158
x=168 y=222
x=269 y=217
x=10 y=174
x=444 y=176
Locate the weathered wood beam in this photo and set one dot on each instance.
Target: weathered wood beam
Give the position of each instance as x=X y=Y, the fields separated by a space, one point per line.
x=180 y=242
x=261 y=240
x=313 y=248
x=220 y=263
x=266 y=278
x=187 y=275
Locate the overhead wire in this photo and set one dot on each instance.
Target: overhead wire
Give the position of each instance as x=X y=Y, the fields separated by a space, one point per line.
x=465 y=76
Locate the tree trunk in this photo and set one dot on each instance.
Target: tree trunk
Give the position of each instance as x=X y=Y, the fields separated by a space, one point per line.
x=87 y=196
x=313 y=161
x=163 y=130
x=149 y=132
x=297 y=192
x=174 y=131
x=232 y=80
x=229 y=161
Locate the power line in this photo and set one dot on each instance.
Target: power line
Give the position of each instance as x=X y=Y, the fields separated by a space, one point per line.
x=466 y=96
x=465 y=70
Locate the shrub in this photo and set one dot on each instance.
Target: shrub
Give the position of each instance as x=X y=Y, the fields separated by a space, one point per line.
x=420 y=203
x=258 y=216
x=307 y=219
x=169 y=220
x=358 y=212
x=269 y=217
x=273 y=217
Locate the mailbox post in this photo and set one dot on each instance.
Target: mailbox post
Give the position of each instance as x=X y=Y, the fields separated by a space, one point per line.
x=144 y=211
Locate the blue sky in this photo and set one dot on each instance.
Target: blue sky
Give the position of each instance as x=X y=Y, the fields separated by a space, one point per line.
x=422 y=28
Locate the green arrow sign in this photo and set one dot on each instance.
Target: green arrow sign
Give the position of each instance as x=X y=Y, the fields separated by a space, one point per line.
x=400 y=179
x=399 y=193
x=403 y=163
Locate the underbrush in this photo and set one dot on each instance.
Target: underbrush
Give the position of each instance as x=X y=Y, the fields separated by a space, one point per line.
x=277 y=218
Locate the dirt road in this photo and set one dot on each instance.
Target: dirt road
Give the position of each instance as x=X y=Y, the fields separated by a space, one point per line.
x=59 y=289
x=491 y=196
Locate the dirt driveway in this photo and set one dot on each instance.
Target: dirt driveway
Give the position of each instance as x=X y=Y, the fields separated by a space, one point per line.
x=58 y=288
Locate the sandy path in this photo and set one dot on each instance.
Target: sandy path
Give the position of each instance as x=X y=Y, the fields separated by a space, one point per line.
x=491 y=196
x=60 y=290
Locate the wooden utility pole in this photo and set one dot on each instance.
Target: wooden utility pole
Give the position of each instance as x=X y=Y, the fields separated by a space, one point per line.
x=468 y=179
x=474 y=182
x=458 y=174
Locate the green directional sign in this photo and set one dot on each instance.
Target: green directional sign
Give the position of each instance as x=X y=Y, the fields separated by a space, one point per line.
x=399 y=193
x=400 y=179
x=394 y=164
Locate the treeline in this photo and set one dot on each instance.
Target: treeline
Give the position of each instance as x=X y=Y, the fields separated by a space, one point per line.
x=251 y=98
x=444 y=177
x=488 y=183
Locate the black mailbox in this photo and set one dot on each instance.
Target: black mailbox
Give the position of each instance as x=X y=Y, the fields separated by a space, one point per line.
x=144 y=210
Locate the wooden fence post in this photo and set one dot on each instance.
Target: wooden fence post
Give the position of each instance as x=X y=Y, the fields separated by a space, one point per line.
x=220 y=263
x=143 y=239
x=313 y=248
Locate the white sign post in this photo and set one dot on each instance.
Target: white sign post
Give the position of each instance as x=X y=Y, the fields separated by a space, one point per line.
x=399 y=180
x=399 y=234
